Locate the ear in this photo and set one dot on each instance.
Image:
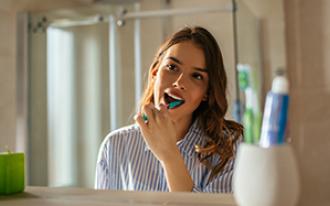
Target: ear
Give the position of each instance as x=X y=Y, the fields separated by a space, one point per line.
x=154 y=72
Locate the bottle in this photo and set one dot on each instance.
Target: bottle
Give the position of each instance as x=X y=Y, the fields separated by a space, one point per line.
x=275 y=113
x=248 y=117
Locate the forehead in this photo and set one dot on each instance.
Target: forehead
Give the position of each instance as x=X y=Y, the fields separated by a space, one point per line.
x=188 y=53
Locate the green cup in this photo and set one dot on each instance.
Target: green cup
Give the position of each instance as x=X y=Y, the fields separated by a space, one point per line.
x=11 y=173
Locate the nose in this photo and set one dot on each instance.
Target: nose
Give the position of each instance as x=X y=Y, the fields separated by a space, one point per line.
x=180 y=82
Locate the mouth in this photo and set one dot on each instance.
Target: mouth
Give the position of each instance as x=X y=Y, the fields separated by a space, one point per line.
x=173 y=101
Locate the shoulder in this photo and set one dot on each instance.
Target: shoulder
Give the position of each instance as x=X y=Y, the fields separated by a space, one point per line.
x=127 y=130
x=123 y=133
x=121 y=136
x=114 y=144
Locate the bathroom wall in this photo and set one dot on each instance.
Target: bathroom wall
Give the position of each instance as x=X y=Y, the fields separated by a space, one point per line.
x=295 y=35
x=272 y=37
x=7 y=78
x=308 y=62
x=8 y=56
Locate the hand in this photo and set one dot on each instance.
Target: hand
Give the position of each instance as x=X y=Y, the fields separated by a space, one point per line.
x=159 y=132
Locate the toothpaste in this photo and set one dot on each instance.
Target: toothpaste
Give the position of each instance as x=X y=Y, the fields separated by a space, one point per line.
x=275 y=114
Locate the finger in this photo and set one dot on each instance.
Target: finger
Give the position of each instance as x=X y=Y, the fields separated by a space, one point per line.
x=162 y=107
x=151 y=105
x=148 y=110
x=142 y=124
x=145 y=130
x=162 y=111
x=154 y=109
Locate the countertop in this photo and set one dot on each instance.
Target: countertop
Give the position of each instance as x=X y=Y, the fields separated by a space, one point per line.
x=47 y=196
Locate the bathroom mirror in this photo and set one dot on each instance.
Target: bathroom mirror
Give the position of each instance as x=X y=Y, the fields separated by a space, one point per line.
x=88 y=67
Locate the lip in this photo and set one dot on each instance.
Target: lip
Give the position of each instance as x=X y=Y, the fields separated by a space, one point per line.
x=174 y=93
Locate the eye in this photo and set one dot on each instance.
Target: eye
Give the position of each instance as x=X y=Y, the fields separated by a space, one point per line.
x=198 y=76
x=171 y=67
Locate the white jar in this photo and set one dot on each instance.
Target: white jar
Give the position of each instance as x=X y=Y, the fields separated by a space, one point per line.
x=266 y=176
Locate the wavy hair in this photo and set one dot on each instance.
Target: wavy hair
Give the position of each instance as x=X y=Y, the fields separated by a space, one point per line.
x=222 y=134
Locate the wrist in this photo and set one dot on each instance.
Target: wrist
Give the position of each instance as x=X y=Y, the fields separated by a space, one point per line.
x=172 y=158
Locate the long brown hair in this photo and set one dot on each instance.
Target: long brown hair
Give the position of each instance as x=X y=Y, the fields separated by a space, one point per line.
x=221 y=134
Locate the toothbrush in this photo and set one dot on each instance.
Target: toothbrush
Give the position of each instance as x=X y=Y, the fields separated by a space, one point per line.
x=174 y=104
x=170 y=106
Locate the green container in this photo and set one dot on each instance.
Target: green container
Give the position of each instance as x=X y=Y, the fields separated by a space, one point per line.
x=248 y=126
x=11 y=173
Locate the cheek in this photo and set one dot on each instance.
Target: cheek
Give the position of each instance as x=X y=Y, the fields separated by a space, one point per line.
x=197 y=96
x=157 y=87
x=158 y=82
x=162 y=80
x=199 y=88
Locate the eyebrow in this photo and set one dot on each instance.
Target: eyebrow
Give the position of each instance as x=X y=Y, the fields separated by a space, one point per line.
x=179 y=62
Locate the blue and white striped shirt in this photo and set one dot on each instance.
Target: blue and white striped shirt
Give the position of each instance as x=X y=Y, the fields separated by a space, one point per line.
x=126 y=163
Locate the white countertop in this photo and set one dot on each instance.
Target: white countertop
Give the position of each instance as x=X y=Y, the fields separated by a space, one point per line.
x=80 y=196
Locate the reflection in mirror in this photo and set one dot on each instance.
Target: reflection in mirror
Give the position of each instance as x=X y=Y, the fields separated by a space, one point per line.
x=249 y=71
x=88 y=68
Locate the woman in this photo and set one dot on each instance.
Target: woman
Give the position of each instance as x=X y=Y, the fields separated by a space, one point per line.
x=184 y=144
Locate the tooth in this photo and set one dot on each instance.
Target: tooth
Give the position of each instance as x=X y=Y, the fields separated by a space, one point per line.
x=175 y=97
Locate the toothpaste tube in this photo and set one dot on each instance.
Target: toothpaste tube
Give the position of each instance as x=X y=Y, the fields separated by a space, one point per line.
x=275 y=114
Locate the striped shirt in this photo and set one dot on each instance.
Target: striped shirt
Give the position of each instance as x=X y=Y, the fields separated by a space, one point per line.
x=126 y=163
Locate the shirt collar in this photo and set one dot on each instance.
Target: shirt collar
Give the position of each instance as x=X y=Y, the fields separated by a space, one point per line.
x=193 y=137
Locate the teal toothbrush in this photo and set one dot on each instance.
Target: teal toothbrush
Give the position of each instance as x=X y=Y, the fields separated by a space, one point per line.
x=174 y=104
x=170 y=106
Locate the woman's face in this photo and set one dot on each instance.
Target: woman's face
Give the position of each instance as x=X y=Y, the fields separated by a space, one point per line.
x=181 y=76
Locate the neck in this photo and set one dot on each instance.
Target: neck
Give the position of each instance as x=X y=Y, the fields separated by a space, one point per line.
x=182 y=127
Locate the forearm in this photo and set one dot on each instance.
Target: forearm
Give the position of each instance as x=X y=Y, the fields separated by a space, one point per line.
x=176 y=173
